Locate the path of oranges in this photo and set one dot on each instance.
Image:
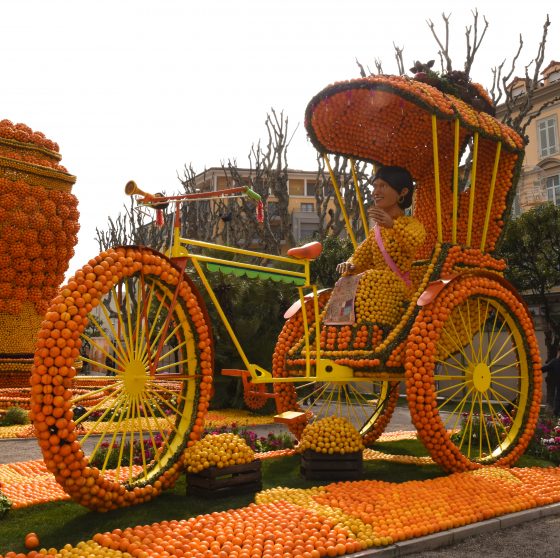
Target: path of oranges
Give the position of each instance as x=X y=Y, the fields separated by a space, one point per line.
x=333 y=520
x=29 y=482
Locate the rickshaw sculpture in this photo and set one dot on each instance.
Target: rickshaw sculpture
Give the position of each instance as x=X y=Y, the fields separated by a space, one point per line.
x=464 y=349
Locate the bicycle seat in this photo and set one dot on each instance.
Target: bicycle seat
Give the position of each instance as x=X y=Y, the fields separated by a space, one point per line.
x=308 y=251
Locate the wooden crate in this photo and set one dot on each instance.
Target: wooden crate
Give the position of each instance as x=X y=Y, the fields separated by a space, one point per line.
x=335 y=466
x=215 y=482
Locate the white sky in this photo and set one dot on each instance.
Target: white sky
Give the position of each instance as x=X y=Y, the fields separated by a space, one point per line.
x=136 y=89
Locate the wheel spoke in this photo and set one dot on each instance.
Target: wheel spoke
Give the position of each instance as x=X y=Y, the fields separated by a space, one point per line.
x=494 y=335
x=458 y=409
x=495 y=361
x=498 y=398
x=468 y=330
x=173 y=364
x=120 y=395
x=445 y=363
x=459 y=348
x=495 y=419
x=116 y=386
x=505 y=386
x=115 y=347
x=146 y=405
x=460 y=388
x=468 y=428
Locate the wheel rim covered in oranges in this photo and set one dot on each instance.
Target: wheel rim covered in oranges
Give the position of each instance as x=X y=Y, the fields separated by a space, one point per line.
x=140 y=313
x=473 y=374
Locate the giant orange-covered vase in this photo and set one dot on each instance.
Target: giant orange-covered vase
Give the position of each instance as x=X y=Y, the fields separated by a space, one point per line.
x=38 y=227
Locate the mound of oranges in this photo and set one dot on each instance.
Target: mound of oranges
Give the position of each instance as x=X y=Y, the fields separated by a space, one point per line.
x=218 y=450
x=331 y=435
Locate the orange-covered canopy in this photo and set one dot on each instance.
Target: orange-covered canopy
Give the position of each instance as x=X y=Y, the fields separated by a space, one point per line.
x=387 y=120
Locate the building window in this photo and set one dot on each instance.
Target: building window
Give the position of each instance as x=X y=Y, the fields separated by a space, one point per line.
x=310 y=187
x=553 y=189
x=307 y=207
x=548 y=136
x=296 y=186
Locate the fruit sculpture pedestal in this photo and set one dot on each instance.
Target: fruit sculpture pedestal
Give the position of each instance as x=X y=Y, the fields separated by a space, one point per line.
x=216 y=483
x=333 y=466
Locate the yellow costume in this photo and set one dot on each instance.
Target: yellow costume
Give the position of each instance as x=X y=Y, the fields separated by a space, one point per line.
x=382 y=295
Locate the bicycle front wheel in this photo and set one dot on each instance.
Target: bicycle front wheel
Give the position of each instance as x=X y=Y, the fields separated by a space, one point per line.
x=138 y=323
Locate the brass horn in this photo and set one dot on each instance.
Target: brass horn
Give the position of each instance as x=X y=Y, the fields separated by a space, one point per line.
x=131 y=189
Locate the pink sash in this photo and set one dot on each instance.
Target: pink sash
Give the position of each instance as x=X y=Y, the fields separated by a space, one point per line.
x=388 y=260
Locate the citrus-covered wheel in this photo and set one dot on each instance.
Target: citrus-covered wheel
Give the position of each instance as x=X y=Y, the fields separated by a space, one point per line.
x=368 y=405
x=150 y=350
x=473 y=374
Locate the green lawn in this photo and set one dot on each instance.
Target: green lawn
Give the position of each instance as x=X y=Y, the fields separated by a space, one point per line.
x=64 y=522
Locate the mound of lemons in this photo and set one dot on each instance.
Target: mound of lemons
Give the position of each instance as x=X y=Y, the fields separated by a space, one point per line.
x=219 y=450
x=331 y=435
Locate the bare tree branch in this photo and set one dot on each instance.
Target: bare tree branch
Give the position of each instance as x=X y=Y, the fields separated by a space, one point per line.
x=444 y=48
x=399 y=58
x=472 y=50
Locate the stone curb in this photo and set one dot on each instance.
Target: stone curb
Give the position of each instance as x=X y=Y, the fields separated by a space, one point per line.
x=451 y=536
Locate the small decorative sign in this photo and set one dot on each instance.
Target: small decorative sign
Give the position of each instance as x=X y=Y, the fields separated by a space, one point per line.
x=340 y=310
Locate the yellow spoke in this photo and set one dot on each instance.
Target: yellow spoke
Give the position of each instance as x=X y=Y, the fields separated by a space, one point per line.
x=459 y=348
x=496 y=419
x=318 y=390
x=141 y=435
x=444 y=363
x=514 y=348
x=359 y=397
x=171 y=425
x=168 y=404
x=326 y=402
x=481 y=323
x=122 y=443
x=497 y=397
x=468 y=330
x=459 y=388
x=146 y=405
x=115 y=386
x=494 y=337
x=338 y=402
x=155 y=340
x=452 y=386
x=481 y=424
x=505 y=386
x=139 y=329
x=110 y=449
x=101 y=365
x=116 y=347
x=164 y=436
x=174 y=350
x=459 y=341
x=98 y=406
x=132 y=429
x=458 y=408
x=468 y=427
x=101 y=349
x=506 y=367
x=128 y=334
x=499 y=351
x=449 y=377
x=167 y=366
x=155 y=383
x=351 y=410
x=148 y=335
x=458 y=412
x=106 y=430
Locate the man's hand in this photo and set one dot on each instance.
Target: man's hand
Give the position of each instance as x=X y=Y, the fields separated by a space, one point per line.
x=345 y=267
x=381 y=217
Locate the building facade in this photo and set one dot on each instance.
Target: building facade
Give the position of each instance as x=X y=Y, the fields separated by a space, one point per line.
x=540 y=178
x=302 y=202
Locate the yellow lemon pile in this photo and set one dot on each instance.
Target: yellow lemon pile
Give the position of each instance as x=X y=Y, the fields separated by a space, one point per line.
x=219 y=450
x=331 y=435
